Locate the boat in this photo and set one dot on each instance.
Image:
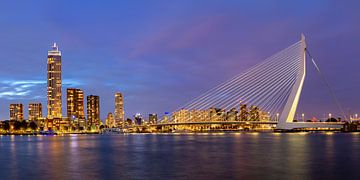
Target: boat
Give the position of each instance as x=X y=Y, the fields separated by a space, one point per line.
x=49 y=132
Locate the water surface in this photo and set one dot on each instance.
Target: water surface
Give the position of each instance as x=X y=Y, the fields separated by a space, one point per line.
x=182 y=156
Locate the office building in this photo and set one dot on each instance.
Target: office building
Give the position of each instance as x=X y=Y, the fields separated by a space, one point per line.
x=75 y=103
x=153 y=118
x=35 y=111
x=254 y=113
x=16 y=112
x=119 y=109
x=54 y=83
x=110 y=120
x=93 y=110
x=138 y=119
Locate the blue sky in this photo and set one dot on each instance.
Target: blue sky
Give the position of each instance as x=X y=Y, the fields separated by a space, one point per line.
x=161 y=54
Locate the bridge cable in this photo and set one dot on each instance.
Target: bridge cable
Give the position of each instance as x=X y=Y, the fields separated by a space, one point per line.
x=332 y=93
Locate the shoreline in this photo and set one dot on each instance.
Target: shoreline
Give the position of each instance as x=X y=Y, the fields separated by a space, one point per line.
x=176 y=133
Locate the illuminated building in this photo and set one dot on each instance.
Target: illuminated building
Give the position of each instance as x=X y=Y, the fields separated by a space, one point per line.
x=35 y=111
x=217 y=114
x=212 y=114
x=16 y=112
x=243 y=116
x=110 y=121
x=180 y=116
x=264 y=116
x=231 y=115
x=198 y=115
x=54 y=83
x=119 y=109
x=254 y=113
x=194 y=115
x=75 y=103
x=93 y=110
x=153 y=118
x=166 y=117
x=138 y=119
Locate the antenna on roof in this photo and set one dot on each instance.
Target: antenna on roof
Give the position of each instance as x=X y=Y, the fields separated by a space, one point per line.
x=55 y=46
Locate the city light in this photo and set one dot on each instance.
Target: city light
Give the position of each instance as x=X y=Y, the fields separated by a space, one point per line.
x=200 y=115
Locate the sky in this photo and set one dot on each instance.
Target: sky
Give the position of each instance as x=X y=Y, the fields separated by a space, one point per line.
x=161 y=54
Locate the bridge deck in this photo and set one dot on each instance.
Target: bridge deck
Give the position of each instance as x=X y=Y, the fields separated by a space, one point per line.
x=294 y=125
x=217 y=122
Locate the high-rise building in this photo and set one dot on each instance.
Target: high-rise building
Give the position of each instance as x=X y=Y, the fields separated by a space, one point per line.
x=110 y=121
x=138 y=119
x=254 y=113
x=243 y=116
x=93 y=110
x=119 y=109
x=35 y=111
x=231 y=115
x=153 y=118
x=16 y=112
x=75 y=103
x=54 y=83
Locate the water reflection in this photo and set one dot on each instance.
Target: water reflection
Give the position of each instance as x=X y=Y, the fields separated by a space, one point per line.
x=195 y=156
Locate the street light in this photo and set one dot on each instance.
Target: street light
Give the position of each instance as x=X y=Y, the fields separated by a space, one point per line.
x=303 y=117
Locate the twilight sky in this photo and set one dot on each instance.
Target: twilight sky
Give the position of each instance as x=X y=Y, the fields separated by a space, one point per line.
x=160 y=54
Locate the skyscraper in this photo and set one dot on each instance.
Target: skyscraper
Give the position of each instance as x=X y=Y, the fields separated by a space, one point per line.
x=75 y=103
x=54 y=83
x=16 y=112
x=93 y=110
x=119 y=109
x=35 y=111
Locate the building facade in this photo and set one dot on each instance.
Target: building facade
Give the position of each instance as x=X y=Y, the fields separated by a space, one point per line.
x=93 y=110
x=54 y=81
x=75 y=103
x=35 y=111
x=16 y=112
x=153 y=118
x=110 y=120
x=119 y=109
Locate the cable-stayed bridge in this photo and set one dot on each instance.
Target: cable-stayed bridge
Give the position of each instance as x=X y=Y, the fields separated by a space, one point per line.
x=269 y=92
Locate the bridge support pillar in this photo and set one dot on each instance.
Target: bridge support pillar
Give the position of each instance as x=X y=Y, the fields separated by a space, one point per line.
x=288 y=113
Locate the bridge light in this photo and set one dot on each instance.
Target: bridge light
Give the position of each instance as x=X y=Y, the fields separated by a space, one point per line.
x=303 y=117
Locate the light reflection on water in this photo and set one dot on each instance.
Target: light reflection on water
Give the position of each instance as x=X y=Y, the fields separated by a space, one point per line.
x=181 y=156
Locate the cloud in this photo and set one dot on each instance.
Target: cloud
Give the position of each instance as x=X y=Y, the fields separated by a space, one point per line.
x=28 y=89
x=18 y=89
x=23 y=82
x=71 y=82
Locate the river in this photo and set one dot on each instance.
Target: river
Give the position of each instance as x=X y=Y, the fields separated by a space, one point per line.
x=182 y=156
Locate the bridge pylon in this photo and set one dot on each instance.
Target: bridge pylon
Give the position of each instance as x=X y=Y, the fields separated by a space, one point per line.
x=287 y=115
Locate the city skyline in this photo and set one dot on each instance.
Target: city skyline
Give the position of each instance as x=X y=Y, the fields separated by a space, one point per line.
x=181 y=61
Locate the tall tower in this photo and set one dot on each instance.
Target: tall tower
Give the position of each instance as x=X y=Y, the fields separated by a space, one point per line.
x=54 y=83
x=119 y=109
x=75 y=103
x=93 y=110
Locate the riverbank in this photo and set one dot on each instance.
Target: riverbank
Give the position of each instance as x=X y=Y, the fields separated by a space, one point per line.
x=180 y=132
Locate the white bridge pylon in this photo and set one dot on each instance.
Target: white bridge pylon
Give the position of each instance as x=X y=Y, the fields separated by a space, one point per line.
x=287 y=116
x=274 y=86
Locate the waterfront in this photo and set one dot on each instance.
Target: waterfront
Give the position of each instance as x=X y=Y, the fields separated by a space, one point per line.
x=182 y=156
